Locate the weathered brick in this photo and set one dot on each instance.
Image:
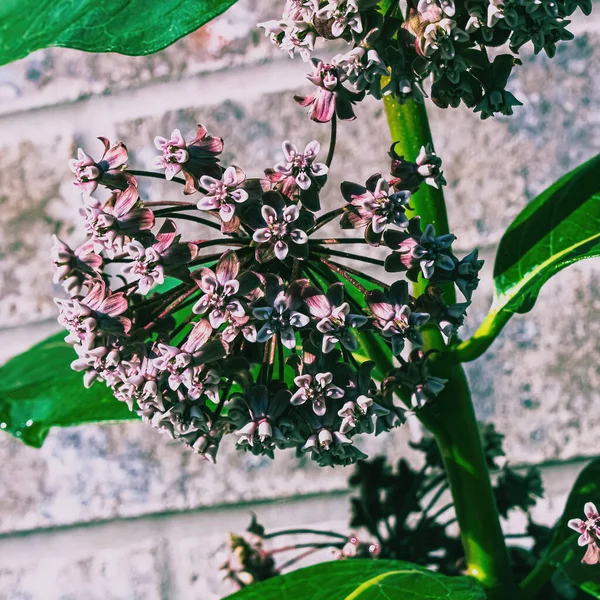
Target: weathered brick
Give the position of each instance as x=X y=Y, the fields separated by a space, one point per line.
x=56 y=75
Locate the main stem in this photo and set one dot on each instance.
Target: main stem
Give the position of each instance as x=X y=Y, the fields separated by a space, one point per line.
x=451 y=418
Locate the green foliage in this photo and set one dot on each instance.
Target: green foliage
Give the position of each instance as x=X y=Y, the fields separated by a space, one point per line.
x=38 y=390
x=134 y=27
x=363 y=580
x=558 y=228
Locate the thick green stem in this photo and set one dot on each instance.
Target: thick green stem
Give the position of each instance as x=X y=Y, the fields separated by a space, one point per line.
x=409 y=127
x=451 y=418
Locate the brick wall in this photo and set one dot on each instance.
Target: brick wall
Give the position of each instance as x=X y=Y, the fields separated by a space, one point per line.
x=115 y=511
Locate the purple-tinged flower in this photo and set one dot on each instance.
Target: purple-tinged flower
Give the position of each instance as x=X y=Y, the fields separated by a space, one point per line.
x=466 y=274
x=590 y=528
x=426 y=169
x=414 y=375
x=335 y=321
x=279 y=229
x=364 y=69
x=292 y=36
x=299 y=169
x=197 y=338
x=73 y=268
x=331 y=97
x=327 y=444
x=223 y=194
x=145 y=266
x=300 y=10
x=224 y=289
x=184 y=420
x=440 y=37
x=257 y=414
x=109 y=170
x=315 y=389
x=174 y=362
x=112 y=224
x=395 y=315
x=324 y=439
x=237 y=325
x=207 y=447
x=416 y=253
x=447 y=6
x=342 y=15
x=448 y=318
x=100 y=311
x=194 y=159
x=100 y=364
x=174 y=154
x=362 y=403
x=374 y=206
x=281 y=314
x=201 y=381
x=150 y=264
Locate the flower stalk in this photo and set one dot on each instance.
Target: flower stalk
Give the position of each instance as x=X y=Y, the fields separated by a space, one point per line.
x=452 y=418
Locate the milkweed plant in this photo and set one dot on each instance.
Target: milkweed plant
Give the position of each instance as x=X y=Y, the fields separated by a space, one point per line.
x=284 y=326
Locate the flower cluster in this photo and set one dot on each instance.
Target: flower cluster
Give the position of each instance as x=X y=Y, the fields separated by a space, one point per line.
x=435 y=47
x=264 y=340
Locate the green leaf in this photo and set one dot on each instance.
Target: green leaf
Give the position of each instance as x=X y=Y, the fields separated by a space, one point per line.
x=558 y=228
x=39 y=390
x=134 y=27
x=563 y=552
x=363 y=580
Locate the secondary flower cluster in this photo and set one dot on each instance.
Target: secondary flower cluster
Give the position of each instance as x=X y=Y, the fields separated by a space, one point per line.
x=252 y=557
x=265 y=340
x=436 y=47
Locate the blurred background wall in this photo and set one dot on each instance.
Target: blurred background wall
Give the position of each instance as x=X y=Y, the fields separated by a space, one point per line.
x=117 y=512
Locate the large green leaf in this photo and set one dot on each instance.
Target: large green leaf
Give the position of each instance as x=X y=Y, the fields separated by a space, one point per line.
x=363 y=580
x=132 y=27
x=558 y=228
x=564 y=553
x=38 y=390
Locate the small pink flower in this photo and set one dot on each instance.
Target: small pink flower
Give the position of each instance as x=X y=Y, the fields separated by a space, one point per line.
x=114 y=223
x=223 y=194
x=590 y=528
x=331 y=97
x=194 y=159
x=174 y=154
x=73 y=268
x=150 y=263
x=100 y=311
x=109 y=170
x=300 y=166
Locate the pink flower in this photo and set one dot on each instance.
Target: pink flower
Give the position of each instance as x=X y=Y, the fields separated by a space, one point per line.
x=100 y=311
x=112 y=224
x=73 y=268
x=194 y=159
x=174 y=154
x=149 y=264
x=223 y=194
x=109 y=170
x=589 y=530
x=331 y=97
x=300 y=167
